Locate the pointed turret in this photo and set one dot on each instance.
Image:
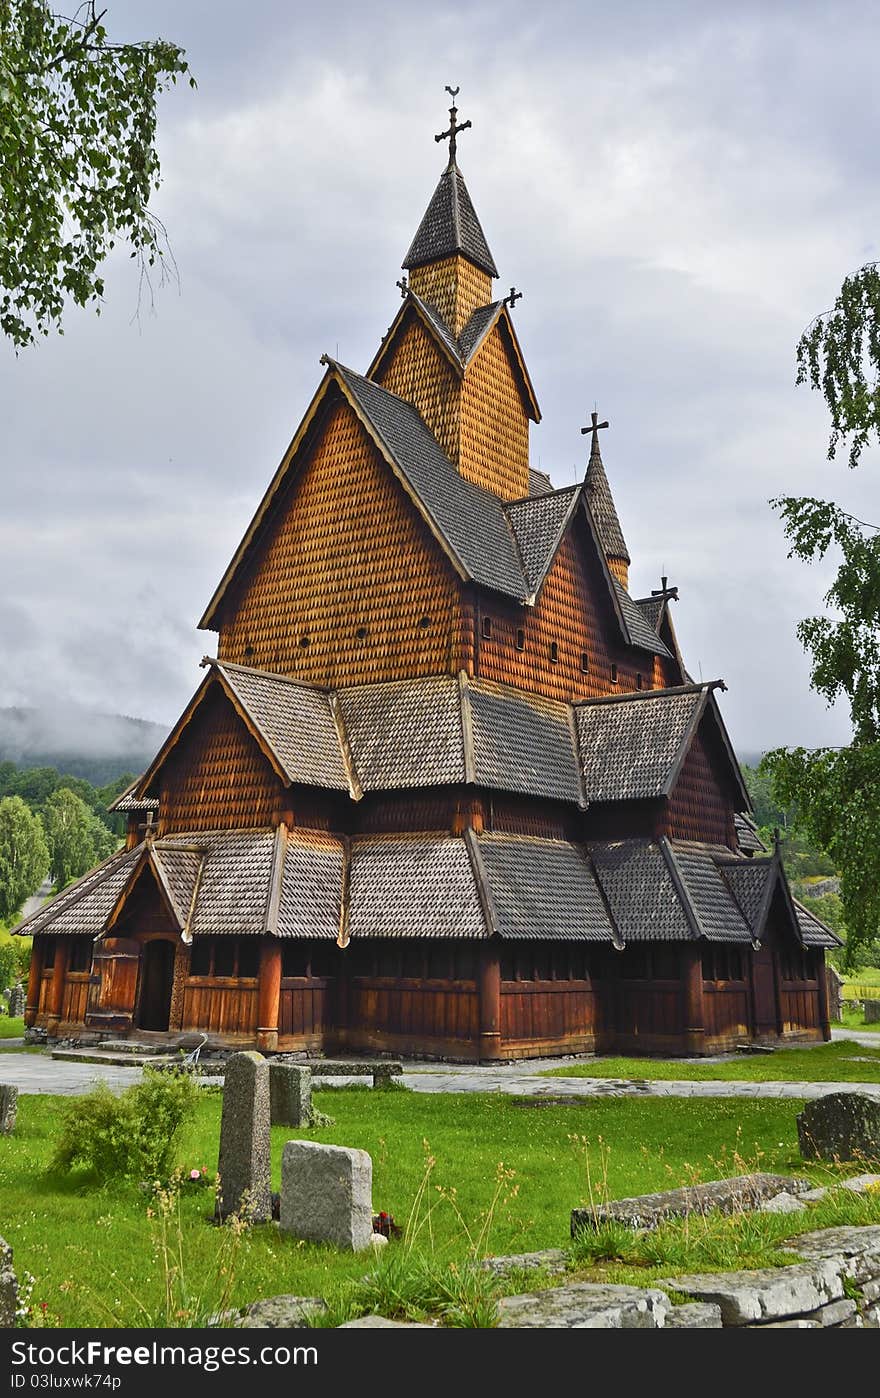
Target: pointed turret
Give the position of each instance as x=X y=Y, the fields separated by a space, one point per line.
x=449 y=261
x=603 y=509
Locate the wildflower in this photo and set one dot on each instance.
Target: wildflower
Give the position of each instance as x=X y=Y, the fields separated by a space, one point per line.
x=196 y=1174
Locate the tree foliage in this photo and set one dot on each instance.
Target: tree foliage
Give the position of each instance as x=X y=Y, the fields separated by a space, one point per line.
x=78 y=160
x=75 y=836
x=24 y=856
x=839 y=355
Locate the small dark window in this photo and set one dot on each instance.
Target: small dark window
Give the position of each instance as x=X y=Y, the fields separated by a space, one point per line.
x=305 y=641
x=294 y=959
x=640 y=681
x=520 y=639
x=614 y=674
x=413 y=961
x=80 y=955
x=585 y=663
x=248 y=650
x=424 y=622
x=361 y=633
x=48 y=953
x=248 y=956
x=200 y=957
x=554 y=653
x=224 y=956
x=465 y=964
x=325 y=959
x=487 y=628
x=508 y=963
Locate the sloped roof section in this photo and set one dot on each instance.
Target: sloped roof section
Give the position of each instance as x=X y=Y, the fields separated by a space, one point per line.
x=644 y=897
x=539 y=524
x=83 y=907
x=752 y=882
x=747 y=835
x=631 y=750
x=652 y=609
x=539 y=482
x=602 y=506
x=449 y=226
x=521 y=742
x=311 y=886
x=813 y=932
x=297 y=722
x=405 y=733
x=640 y=633
x=179 y=868
x=717 y=912
x=477 y=328
x=236 y=882
x=544 y=889
x=413 y=886
x=469 y=521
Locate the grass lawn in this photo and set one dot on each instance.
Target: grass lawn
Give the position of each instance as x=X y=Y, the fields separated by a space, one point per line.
x=837 y=1062
x=854 y=1019
x=11 y=1028
x=91 y=1251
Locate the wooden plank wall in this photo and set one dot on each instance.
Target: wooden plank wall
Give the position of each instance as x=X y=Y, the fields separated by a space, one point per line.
x=220 y=1006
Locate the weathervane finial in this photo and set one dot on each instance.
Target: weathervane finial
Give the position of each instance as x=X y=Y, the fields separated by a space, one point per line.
x=454 y=125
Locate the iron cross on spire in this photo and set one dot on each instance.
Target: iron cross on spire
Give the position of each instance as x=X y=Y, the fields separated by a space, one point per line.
x=595 y=427
x=512 y=299
x=454 y=126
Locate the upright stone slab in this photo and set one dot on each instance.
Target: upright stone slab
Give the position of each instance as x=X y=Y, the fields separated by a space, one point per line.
x=8 y=1108
x=244 y=1165
x=8 y=1287
x=290 y=1094
x=18 y=1000
x=872 y=1012
x=327 y=1194
x=840 y=1126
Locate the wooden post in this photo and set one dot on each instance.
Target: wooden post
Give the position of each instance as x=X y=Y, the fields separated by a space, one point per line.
x=178 y=988
x=490 y=1002
x=269 y=995
x=822 y=977
x=33 y=986
x=694 y=1016
x=56 y=994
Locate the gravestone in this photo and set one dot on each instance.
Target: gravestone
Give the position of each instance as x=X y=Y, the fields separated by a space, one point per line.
x=8 y=1108
x=290 y=1094
x=8 y=1287
x=872 y=1011
x=327 y=1194
x=244 y=1165
x=840 y=1126
x=17 y=1001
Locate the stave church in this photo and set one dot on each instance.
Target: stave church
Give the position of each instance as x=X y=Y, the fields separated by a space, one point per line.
x=446 y=789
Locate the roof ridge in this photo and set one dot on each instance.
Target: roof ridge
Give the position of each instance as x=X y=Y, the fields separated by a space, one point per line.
x=632 y=696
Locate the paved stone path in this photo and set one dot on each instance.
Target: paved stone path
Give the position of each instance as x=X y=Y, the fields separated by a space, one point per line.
x=37 y=1073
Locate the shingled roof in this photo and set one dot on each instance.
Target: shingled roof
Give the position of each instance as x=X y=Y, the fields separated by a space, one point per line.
x=449 y=226
x=632 y=747
x=84 y=906
x=539 y=524
x=602 y=507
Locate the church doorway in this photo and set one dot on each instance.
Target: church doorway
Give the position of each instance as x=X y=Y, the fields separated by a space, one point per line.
x=157 y=980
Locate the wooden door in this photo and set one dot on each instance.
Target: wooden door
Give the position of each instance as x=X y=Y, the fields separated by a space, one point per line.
x=765 y=1000
x=157 y=983
x=113 y=984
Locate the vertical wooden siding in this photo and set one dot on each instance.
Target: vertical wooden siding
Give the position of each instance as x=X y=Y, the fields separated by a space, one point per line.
x=699 y=807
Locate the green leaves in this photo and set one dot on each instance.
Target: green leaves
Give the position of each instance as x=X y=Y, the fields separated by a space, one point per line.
x=78 y=160
x=839 y=355
x=24 y=858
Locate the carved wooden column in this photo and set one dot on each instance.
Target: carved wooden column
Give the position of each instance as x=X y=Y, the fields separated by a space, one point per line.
x=822 y=976
x=694 y=1010
x=181 y=971
x=56 y=993
x=490 y=1002
x=33 y=987
x=269 y=994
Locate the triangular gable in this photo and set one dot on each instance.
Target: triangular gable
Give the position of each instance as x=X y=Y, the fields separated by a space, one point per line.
x=81 y=909
x=632 y=746
x=145 y=870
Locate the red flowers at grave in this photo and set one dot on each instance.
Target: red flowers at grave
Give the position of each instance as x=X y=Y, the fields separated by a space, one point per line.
x=384 y=1223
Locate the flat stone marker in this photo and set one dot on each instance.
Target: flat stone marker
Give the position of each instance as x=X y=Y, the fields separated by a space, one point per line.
x=244 y=1165
x=872 y=1012
x=840 y=1126
x=729 y=1196
x=327 y=1194
x=585 y=1306
x=8 y=1108
x=290 y=1094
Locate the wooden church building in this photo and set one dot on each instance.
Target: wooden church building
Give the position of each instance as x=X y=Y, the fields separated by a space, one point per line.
x=447 y=787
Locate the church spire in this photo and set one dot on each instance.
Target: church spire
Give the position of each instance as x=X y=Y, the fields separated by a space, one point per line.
x=602 y=507
x=450 y=225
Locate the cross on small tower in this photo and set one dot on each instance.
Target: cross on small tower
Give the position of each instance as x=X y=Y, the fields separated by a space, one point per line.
x=454 y=126
x=512 y=299
x=404 y=287
x=595 y=427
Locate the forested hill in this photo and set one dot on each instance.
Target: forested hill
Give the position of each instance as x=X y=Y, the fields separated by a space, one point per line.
x=96 y=747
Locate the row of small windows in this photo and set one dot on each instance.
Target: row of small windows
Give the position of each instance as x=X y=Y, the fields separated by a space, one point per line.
x=217 y=957
x=486 y=633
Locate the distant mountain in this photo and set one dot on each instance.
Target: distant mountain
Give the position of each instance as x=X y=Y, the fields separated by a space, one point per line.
x=79 y=742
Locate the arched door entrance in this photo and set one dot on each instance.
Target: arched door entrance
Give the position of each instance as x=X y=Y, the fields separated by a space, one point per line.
x=157 y=980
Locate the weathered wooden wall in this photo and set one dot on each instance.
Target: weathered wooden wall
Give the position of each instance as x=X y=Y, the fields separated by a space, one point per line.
x=455 y=287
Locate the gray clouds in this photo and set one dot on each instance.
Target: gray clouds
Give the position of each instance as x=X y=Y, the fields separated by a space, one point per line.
x=678 y=189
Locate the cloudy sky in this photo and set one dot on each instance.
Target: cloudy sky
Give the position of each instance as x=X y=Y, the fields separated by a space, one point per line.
x=678 y=189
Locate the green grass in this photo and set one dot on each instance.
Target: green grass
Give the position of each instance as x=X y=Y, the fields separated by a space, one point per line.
x=836 y=1062
x=11 y=1028
x=91 y=1252
x=854 y=1019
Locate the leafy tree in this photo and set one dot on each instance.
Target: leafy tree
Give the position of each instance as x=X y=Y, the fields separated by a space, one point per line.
x=24 y=857
x=839 y=355
x=75 y=836
x=78 y=159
